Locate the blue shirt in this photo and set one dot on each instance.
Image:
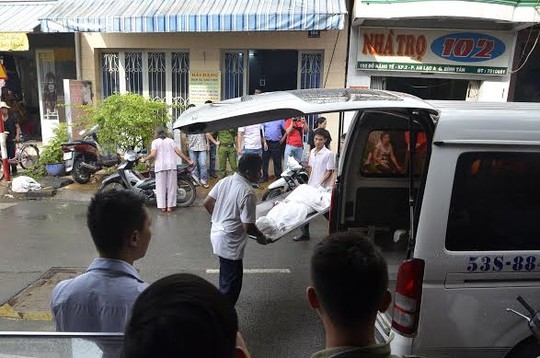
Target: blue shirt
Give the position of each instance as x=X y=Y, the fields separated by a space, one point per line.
x=99 y=300
x=274 y=130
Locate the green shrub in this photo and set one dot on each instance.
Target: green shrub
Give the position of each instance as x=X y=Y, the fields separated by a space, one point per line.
x=51 y=153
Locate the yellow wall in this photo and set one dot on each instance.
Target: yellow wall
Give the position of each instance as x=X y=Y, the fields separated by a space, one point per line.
x=206 y=50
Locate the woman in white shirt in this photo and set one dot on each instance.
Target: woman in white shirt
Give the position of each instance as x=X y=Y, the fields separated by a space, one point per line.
x=164 y=150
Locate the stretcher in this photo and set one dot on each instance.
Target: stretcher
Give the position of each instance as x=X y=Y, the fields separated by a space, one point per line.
x=264 y=207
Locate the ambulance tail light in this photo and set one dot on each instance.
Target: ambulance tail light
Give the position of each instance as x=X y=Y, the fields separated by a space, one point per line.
x=333 y=212
x=407 y=297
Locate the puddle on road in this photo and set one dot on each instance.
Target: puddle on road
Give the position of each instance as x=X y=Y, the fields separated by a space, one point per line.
x=33 y=303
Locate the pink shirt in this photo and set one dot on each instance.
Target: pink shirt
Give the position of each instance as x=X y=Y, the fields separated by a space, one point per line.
x=165 y=154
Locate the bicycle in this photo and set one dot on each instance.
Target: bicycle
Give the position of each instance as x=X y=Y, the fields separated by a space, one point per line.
x=26 y=155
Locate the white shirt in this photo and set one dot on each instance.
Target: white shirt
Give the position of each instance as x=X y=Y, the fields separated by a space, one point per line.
x=252 y=136
x=235 y=206
x=165 y=154
x=320 y=162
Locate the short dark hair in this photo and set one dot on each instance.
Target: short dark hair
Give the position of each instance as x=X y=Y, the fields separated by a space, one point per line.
x=321 y=120
x=321 y=132
x=350 y=277
x=113 y=214
x=181 y=315
x=249 y=161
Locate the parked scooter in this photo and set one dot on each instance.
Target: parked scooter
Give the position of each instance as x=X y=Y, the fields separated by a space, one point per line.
x=84 y=157
x=126 y=177
x=291 y=178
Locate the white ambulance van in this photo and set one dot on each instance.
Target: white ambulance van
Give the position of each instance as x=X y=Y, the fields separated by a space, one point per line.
x=459 y=181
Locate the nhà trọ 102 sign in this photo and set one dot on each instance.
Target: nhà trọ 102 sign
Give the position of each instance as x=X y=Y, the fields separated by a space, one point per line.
x=432 y=51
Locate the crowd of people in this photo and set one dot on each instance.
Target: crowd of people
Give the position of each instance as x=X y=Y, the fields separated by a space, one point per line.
x=184 y=315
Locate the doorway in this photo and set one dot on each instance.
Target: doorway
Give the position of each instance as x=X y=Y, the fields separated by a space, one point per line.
x=273 y=70
x=429 y=88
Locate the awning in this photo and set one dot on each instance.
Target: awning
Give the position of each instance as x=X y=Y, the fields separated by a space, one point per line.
x=23 y=16
x=147 y=16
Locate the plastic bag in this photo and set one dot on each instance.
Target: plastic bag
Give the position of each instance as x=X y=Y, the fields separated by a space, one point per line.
x=24 y=184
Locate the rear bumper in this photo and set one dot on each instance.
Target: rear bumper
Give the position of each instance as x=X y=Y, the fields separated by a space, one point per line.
x=400 y=345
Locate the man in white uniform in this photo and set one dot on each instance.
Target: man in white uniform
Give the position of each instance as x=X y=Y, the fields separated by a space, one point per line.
x=231 y=202
x=321 y=166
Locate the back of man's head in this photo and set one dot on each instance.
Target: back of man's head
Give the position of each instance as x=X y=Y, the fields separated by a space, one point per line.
x=249 y=162
x=181 y=315
x=112 y=215
x=350 y=278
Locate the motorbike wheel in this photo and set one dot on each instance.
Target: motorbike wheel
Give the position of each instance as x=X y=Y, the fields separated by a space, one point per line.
x=303 y=178
x=29 y=156
x=79 y=174
x=272 y=193
x=186 y=193
x=112 y=185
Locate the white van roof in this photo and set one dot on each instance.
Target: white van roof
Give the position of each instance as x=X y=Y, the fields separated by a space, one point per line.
x=269 y=106
x=510 y=123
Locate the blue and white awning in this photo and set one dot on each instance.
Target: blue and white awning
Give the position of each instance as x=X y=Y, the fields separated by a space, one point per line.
x=23 y=16
x=144 y=16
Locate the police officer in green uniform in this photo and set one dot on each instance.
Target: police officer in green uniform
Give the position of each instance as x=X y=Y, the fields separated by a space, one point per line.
x=226 y=151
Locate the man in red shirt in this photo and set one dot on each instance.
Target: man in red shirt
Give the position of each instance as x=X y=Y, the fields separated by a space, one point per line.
x=294 y=134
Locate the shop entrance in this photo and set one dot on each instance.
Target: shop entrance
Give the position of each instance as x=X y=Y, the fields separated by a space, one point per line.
x=428 y=88
x=273 y=70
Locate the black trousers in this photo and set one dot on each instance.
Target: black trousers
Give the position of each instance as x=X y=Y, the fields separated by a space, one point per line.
x=11 y=147
x=275 y=151
x=230 y=278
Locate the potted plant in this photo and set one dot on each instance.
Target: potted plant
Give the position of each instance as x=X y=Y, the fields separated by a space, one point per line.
x=50 y=161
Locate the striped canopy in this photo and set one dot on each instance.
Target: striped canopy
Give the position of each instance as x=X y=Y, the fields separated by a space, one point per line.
x=23 y=16
x=144 y=16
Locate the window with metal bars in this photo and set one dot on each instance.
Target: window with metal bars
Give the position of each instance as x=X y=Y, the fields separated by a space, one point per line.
x=160 y=75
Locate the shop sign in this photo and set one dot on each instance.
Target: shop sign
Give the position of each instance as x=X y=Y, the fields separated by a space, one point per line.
x=13 y=41
x=432 y=51
x=204 y=86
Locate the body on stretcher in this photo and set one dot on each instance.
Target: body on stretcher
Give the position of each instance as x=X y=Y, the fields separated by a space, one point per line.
x=297 y=212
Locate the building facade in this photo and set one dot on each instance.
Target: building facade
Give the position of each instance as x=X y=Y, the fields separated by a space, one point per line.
x=460 y=50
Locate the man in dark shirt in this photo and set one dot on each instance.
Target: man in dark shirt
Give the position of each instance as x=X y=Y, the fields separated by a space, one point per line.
x=11 y=125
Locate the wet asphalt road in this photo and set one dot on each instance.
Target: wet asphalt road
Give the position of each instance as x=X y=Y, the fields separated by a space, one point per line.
x=274 y=316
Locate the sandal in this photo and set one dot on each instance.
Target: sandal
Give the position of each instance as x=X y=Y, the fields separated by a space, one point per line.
x=163 y=210
x=170 y=210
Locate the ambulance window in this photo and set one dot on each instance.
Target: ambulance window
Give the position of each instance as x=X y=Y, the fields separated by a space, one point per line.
x=495 y=203
x=386 y=153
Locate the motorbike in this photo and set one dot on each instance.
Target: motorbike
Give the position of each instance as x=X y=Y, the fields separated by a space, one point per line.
x=83 y=158
x=291 y=178
x=126 y=177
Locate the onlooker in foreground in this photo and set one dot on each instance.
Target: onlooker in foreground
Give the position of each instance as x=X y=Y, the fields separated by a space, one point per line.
x=164 y=150
x=273 y=132
x=350 y=285
x=183 y=315
x=321 y=165
x=294 y=138
x=100 y=300
x=231 y=202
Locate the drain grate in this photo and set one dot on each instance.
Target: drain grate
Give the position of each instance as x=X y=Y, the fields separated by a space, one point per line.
x=34 y=302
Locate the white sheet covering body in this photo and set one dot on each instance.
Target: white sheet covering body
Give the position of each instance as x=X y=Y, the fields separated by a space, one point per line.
x=296 y=207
